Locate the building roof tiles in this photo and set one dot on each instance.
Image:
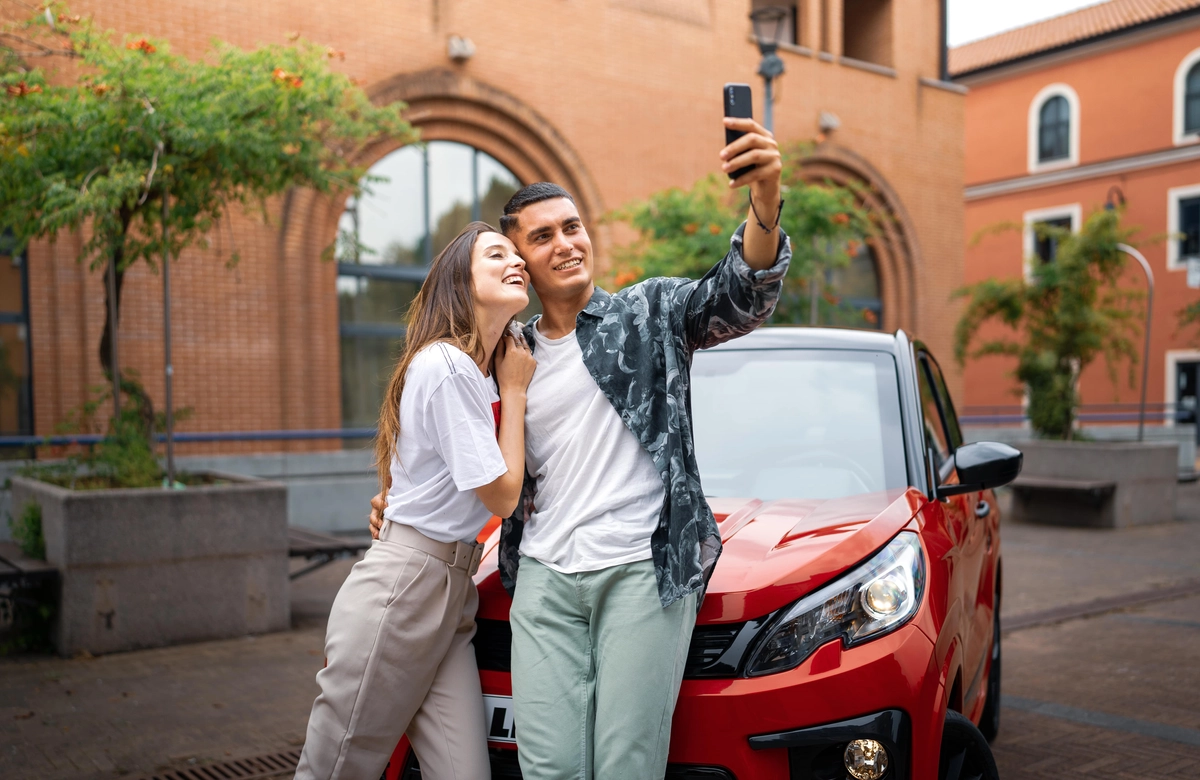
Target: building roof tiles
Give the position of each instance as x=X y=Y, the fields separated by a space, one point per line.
x=1074 y=27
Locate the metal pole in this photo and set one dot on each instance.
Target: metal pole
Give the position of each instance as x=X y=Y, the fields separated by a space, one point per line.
x=170 y=369
x=1136 y=255
x=768 y=105
x=112 y=346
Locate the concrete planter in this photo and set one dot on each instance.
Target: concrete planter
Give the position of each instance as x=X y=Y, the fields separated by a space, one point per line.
x=1096 y=484
x=151 y=567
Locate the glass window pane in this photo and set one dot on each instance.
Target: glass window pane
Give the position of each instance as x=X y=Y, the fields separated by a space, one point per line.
x=450 y=194
x=1191 y=115
x=1054 y=128
x=390 y=218
x=362 y=300
x=367 y=364
x=1045 y=244
x=853 y=293
x=495 y=186
x=1189 y=226
x=935 y=432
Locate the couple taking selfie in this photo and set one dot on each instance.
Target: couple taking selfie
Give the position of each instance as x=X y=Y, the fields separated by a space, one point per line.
x=577 y=430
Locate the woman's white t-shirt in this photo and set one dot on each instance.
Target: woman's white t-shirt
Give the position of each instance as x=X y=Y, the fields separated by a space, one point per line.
x=447 y=446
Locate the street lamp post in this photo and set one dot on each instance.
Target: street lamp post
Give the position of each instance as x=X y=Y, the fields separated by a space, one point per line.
x=768 y=29
x=1110 y=204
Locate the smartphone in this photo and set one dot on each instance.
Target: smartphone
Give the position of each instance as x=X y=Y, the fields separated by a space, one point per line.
x=737 y=103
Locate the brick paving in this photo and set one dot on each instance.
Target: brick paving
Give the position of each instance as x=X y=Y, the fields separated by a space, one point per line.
x=1111 y=696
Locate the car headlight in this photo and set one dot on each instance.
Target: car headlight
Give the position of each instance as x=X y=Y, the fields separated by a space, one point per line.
x=873 y=599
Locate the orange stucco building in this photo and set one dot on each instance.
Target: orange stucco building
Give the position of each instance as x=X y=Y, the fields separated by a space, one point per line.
x=615 y=99
x=1095 y=106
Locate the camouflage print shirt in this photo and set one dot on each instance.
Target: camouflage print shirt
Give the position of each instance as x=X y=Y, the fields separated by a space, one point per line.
x=638 y=346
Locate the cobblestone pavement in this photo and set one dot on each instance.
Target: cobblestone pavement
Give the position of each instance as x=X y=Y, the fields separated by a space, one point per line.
x=1110 y=696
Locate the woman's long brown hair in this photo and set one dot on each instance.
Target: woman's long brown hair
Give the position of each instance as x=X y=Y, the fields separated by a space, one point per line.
x=443 y=310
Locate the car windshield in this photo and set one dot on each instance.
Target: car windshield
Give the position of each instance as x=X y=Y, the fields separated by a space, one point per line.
x=797 y=423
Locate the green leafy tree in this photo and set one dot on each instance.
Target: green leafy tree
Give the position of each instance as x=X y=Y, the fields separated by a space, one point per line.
x=96 y=149
x=686 y=232
x=1070 y=312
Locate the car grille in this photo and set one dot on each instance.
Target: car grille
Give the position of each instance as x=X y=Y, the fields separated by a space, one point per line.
x=493 y=648
x=505 y=767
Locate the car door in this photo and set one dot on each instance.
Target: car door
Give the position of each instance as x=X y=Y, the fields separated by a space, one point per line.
x=966 y=529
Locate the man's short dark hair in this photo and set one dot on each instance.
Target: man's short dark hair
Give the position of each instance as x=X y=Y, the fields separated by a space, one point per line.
x=528 y=195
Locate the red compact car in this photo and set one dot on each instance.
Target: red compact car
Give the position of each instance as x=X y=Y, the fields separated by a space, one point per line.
x=851 y=628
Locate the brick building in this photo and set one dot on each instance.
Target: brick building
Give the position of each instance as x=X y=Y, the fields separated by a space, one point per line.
x=614 y=99
x=1098 y=105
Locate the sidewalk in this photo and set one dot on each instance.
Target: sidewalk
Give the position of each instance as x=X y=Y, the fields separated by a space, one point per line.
x=1113 y=693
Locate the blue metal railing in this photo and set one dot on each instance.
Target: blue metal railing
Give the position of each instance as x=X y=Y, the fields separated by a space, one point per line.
x=223 y=436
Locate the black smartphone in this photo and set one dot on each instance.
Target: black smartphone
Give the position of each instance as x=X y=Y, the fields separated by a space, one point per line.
x=737 y=103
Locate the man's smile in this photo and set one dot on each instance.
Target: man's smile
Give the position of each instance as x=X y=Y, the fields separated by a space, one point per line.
x=569 y=264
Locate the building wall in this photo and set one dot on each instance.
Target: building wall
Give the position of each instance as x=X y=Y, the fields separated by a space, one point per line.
x=1126 y=103
x=616 y=98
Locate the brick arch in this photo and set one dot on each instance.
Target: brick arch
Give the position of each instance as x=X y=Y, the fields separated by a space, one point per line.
x=895 y=247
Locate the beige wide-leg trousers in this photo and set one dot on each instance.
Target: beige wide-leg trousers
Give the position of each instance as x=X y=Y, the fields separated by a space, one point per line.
x=400 y=661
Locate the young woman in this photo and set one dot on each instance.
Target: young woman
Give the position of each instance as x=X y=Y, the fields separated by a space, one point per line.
x=450 y=453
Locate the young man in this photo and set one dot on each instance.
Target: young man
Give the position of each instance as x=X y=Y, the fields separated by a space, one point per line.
x=613 y=540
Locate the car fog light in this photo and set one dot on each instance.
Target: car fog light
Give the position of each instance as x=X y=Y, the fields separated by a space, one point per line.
x=865 y=759
x=884 y=596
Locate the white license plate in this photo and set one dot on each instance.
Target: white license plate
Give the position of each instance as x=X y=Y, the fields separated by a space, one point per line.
x=499 y=711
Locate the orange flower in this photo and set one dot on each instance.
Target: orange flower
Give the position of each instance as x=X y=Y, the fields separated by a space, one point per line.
x=852 y=248
x=73 y=19
x=841 y=219
x=291 y=79
x=100 y=89
x=21 y=89
x=291 y=148
x=870 y=316
x=141 y=44
x=715 y=229
x=691 y=228
x=624 y=278
x=830 y=298
x=333 y=53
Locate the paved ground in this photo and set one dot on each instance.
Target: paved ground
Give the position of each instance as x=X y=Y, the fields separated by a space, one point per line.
x=1109 y=696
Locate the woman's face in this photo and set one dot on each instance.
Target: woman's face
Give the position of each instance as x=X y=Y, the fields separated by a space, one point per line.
x=498 y=275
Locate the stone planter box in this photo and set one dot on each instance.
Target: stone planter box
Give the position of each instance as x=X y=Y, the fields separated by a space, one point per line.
x=151 y=567
x=1096 y=484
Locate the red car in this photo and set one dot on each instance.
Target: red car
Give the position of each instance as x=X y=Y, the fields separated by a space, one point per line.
x=851 y=628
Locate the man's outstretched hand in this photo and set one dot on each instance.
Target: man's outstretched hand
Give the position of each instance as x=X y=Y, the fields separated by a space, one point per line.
x=758 y=148
x=378 y=504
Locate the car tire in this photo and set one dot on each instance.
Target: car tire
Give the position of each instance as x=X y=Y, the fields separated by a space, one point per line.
x=989 y=722
x=966 y=754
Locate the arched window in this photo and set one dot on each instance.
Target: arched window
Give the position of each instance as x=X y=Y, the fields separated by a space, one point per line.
x=1054 y=130
x=1191 y=100
x=386 y=240
x=850 y=295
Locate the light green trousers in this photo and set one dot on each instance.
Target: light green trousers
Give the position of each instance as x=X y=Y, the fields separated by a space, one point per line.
x=596 y=667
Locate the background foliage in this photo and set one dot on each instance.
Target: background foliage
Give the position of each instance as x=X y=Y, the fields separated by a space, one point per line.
x=1070 y=312
x=686 y=232
x=94 y=146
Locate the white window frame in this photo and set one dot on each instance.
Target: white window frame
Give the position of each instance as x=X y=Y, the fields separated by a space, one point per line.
x=1174 y=195
x=1171 y=363
x=1073 y=211
x=1035 y=110
x=1180 y=137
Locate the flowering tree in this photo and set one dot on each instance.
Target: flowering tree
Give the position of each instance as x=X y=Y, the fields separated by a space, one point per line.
x=97 y=148
x=686 y=232
x=1070 y=312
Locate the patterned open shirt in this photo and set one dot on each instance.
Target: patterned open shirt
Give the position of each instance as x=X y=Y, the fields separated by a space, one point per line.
x=638 y=346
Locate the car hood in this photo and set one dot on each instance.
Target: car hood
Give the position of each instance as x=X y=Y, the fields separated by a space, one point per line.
x=774 y=551
x=777 y=551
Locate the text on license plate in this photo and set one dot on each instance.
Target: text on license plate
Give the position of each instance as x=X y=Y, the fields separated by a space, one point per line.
x=499 y=712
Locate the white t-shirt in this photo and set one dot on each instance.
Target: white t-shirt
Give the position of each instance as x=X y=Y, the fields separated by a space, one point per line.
x=599 y=494
x=447 y=446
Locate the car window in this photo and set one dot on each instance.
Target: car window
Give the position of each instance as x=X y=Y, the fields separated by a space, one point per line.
x=944 y=401
x=936 y=440
x=797 y=423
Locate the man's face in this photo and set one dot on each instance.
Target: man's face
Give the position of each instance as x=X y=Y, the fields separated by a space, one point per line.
x=556 y=248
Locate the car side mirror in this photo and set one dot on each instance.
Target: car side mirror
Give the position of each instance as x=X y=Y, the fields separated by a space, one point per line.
x=981 y=466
